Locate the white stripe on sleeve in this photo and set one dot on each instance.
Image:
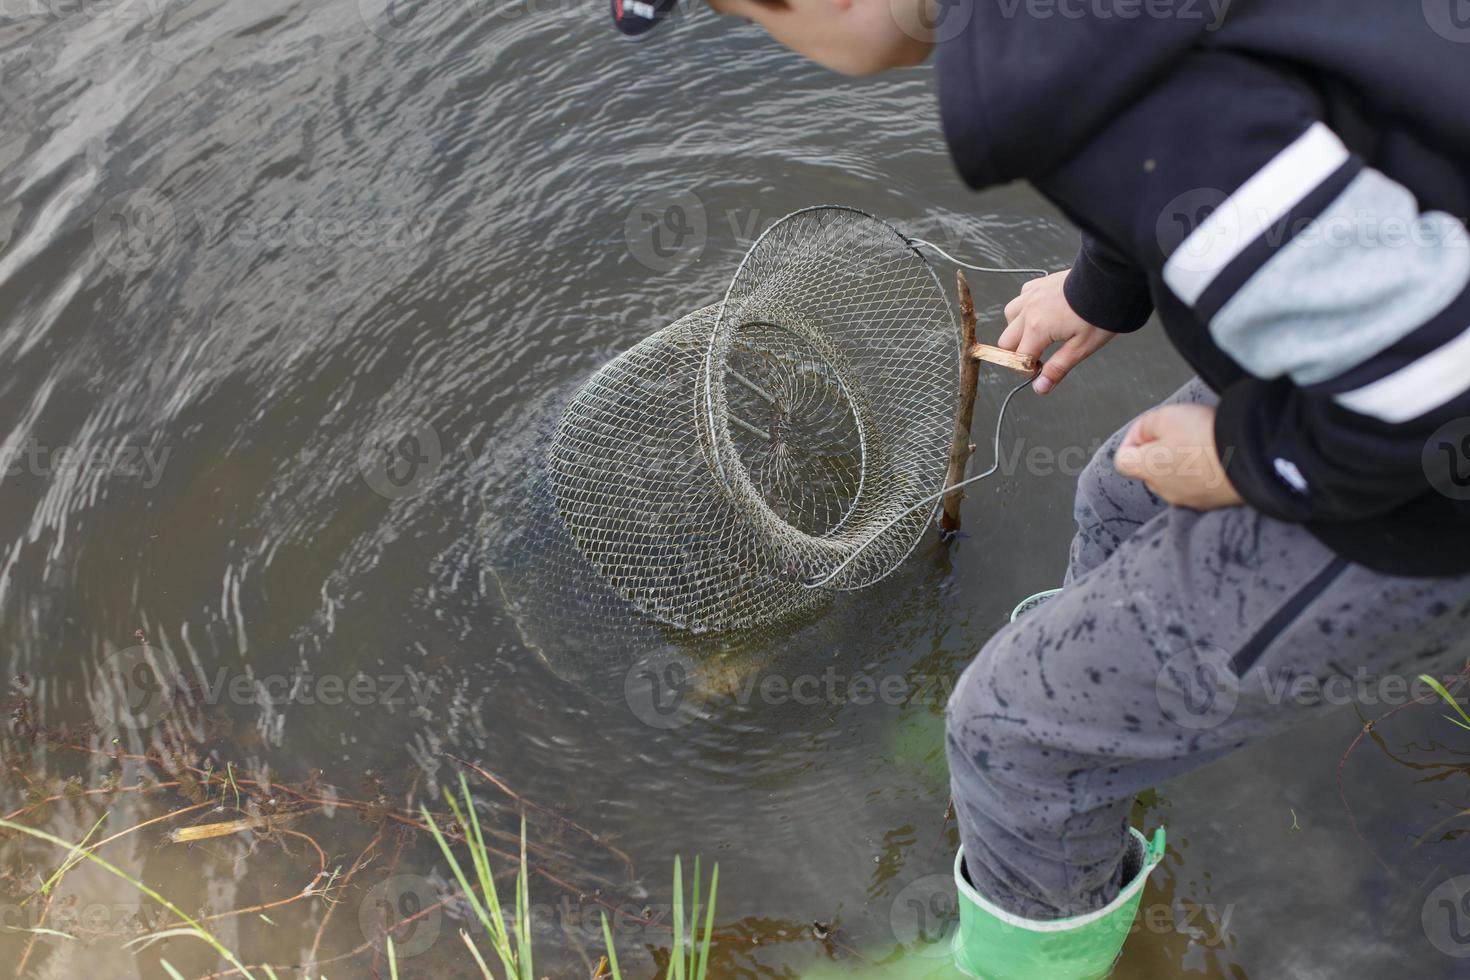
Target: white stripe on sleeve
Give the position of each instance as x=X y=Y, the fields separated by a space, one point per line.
x=1246 y=215
x=1415 y=389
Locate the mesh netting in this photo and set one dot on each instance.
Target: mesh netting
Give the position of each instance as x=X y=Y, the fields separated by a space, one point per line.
x=716 y=471
x=590 y=636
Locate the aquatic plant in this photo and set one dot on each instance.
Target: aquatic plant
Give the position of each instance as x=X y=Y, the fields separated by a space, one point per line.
x=207 y=798
x=512 y=946
x=1370 y=731
x=698 y=950
x=1450 y=700
x=689 y=959
x=512 y=943
x=78 y=853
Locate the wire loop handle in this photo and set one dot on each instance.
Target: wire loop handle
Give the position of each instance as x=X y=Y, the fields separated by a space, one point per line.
x=817 y=583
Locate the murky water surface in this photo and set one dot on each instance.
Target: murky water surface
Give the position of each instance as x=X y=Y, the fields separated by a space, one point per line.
x=244 y=247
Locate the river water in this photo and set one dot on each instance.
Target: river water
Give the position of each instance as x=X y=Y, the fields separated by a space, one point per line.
x=245 y=247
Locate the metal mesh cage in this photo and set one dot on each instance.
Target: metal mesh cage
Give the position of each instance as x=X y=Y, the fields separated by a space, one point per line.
x=715 y=471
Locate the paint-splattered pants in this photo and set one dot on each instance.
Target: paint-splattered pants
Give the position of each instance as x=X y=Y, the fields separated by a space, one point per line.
x=1180 y=636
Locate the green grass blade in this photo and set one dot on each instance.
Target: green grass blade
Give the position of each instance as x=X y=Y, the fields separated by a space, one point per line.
x=43 y=931
x=112 y=869
x=469 y=822
x=144 y=941
x=694 y=919
x=612 y=951
x=169 y=969
x=71 y=860
x=677 y=961
x=475 y=952
x=392 y=960
x=491 y=917
x=523 y=911
x=1449 y=699
x=454 y=866
x=709 y=924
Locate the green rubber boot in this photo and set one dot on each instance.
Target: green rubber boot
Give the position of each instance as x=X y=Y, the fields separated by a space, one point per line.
x=991 y=944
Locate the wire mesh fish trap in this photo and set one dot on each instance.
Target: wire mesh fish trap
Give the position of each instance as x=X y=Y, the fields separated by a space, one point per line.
x=784 y=437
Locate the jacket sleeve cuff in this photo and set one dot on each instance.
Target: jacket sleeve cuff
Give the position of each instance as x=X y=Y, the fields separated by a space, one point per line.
x=1107 y=294
x=1273 y=486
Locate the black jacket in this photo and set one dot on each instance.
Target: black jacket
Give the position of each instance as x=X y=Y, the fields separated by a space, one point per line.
x=1286 y=183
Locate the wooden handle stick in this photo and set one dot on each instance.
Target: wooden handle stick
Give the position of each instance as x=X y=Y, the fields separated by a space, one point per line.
x=1024 y=363
x=960 y=446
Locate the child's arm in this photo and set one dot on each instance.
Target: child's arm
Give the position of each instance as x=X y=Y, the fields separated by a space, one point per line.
x=1330 y=309
x=1107 y=289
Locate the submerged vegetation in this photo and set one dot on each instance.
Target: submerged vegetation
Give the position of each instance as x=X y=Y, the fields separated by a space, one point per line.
x=1464 y=720
x=1434 y=764
x=510 y=941
x=698 y=949
x=82 y=793
x=179 y=793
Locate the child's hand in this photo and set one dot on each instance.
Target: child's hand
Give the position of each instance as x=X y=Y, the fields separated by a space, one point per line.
x=1041 y=317
x=1172 y=450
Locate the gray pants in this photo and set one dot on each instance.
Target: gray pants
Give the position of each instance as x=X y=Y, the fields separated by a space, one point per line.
x=1180 y=636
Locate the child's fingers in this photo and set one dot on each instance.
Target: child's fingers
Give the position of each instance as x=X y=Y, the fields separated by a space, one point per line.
x=1140 y=432
x=1012 y=334
x=1035 y=339
x=1130 y=458
x=1129 y=462
x=1071 y=354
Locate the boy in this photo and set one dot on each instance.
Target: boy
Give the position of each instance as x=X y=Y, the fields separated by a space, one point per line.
x=1280 y=181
